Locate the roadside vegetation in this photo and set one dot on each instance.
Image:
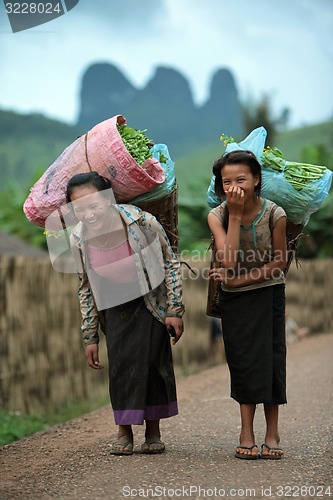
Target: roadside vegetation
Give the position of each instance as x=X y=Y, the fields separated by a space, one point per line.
x=15 y=425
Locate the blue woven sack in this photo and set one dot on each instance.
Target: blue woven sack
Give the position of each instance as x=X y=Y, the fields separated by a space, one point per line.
x=298 y=205
x=254 y=142
x=170 y=179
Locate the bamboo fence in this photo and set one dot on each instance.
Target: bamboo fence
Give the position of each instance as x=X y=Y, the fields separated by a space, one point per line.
x=42 y=361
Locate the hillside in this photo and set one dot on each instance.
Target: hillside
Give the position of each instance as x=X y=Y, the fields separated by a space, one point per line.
x=293 y=142
x=30 y=143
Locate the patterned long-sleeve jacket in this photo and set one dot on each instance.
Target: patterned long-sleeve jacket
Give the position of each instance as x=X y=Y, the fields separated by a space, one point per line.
x=163 y=301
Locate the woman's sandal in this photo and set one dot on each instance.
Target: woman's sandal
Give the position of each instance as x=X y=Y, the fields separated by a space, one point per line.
x=121 y=448
x=149 y=446
x=246 y=456
x=270 y=456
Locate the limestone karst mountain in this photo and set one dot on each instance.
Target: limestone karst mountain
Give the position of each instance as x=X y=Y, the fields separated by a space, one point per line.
x=165 y=106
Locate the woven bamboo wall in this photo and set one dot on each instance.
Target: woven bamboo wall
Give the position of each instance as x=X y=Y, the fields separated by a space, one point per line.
x=309 y=294
x=41 y=356
x=42 y=362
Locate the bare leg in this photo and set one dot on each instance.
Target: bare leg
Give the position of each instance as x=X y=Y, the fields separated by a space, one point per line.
x=153 y=443
x=246 y=437
x=272 y=437
x=125 y=433
x=152 y=429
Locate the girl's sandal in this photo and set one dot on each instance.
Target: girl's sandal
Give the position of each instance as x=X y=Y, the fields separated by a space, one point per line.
x=246 y=456
x=270 y=456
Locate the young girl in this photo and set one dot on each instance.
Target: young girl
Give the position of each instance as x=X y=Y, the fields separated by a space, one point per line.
x=110 y=243
x=250 y=237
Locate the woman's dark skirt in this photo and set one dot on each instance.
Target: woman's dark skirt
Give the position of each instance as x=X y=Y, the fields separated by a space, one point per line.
x=253 y=324
x=142 y=381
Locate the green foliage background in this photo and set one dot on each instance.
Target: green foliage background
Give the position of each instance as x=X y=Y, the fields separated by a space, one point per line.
x=30 y=143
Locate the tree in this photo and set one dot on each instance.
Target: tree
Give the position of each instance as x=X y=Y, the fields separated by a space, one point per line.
x=257 y=114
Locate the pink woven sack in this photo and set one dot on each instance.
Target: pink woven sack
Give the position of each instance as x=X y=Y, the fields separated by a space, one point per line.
x=101 y=149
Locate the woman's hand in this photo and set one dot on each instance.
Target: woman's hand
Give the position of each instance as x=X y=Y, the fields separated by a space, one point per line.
x=92 y=356
x=177 y=324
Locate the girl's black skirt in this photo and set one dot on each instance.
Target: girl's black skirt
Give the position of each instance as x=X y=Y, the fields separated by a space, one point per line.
x=253 y=324
x=141 y=376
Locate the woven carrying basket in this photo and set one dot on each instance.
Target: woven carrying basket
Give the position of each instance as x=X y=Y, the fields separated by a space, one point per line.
x=165 y=209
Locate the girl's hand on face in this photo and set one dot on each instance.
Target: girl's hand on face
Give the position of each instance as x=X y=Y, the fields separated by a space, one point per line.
x=235 y=200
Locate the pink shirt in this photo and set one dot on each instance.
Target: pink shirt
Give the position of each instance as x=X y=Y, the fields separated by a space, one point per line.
x=116 y=264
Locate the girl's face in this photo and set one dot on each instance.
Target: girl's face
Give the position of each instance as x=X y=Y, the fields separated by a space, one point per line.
x=239 y=175
x=91 y=208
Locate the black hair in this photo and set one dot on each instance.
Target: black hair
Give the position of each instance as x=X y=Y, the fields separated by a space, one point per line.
x=86 y=179
x=239 y=156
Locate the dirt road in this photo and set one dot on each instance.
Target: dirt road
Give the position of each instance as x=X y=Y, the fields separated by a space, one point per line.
x=73 y=460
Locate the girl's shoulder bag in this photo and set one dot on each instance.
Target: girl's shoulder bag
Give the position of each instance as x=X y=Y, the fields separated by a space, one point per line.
x=214 y=287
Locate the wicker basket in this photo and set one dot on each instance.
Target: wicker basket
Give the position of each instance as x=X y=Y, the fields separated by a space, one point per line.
x=165 y=209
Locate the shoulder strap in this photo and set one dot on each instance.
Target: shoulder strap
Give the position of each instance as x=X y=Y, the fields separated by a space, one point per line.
x=271 y=218
x=224 y=212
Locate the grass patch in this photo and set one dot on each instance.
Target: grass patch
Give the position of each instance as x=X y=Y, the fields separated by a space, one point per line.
x=15 y=425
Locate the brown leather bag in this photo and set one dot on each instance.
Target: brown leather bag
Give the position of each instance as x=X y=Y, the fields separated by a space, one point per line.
x=214 y=287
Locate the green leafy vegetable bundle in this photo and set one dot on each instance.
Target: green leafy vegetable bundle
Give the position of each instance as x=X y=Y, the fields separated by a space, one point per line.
x=137 y=143
x=299 y=188
x=299 y=175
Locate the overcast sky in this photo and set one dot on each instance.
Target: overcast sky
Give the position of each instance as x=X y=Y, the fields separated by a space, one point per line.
x=283 y=48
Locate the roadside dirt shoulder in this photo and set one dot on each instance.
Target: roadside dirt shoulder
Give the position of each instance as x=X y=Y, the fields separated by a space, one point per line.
x=73 y=461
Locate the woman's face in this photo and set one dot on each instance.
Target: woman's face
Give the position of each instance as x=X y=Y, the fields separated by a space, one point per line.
x=239 y=175
x=91 y=208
